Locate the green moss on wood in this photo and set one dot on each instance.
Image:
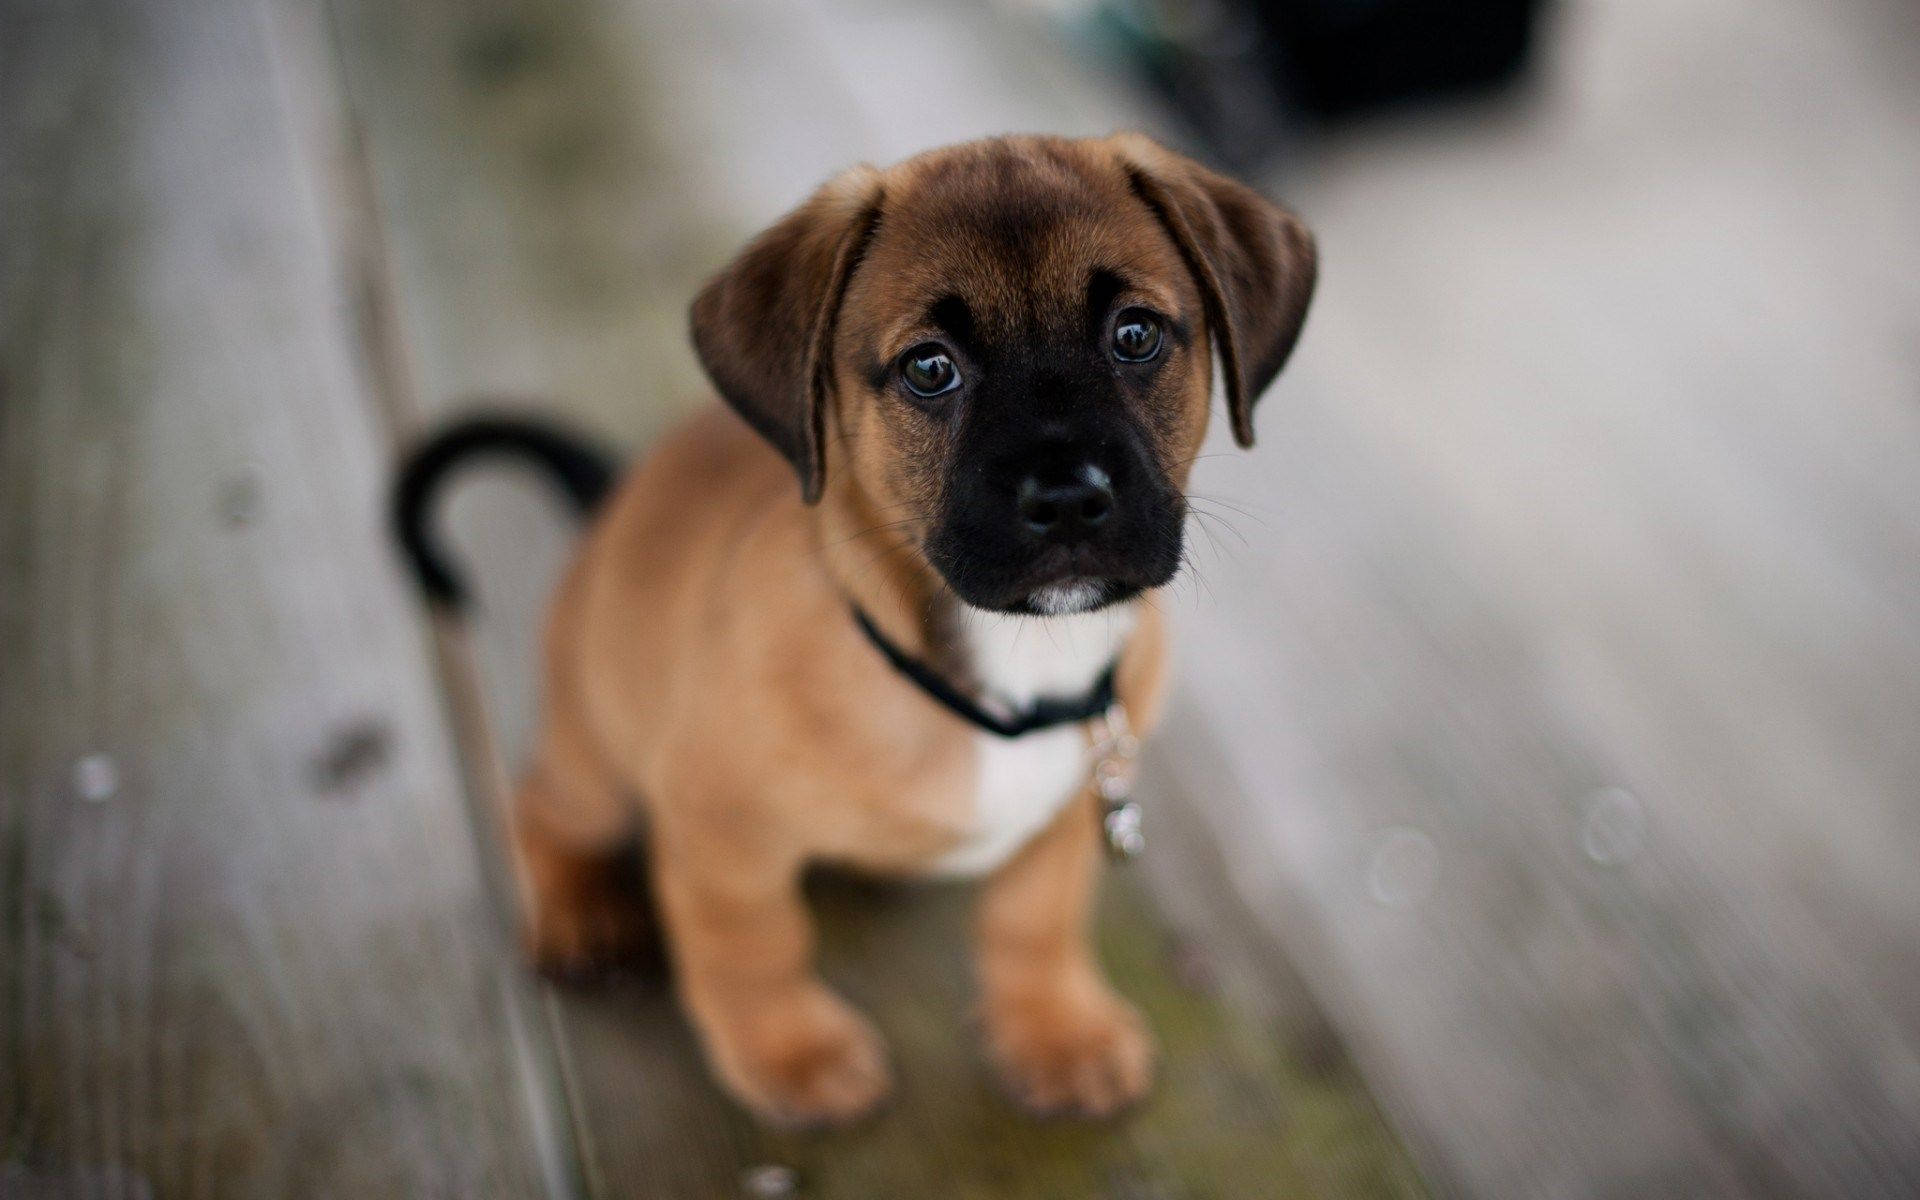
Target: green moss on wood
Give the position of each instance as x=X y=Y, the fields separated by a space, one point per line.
x=1237 y=1111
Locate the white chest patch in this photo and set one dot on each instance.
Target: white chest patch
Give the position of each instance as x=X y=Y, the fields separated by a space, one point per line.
x=1023 y=781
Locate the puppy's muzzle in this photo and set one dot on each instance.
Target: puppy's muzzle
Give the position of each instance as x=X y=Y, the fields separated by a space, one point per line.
x=1090 y=515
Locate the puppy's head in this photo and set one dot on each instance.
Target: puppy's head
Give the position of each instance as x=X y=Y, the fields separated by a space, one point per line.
x=1007 y=348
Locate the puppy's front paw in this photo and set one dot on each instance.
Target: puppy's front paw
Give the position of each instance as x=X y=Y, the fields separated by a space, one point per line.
x=1079 y=1051
x=801 y=1057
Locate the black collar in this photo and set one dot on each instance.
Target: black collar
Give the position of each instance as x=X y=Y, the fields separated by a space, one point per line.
x=1045 y=713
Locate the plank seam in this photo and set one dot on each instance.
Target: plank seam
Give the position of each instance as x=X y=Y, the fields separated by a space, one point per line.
x=360 y=248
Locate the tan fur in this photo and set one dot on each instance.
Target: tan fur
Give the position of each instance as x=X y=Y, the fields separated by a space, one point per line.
x=703 y=674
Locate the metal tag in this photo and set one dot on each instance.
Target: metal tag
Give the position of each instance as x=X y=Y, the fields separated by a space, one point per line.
x=1114 y=751
x=1125 y=839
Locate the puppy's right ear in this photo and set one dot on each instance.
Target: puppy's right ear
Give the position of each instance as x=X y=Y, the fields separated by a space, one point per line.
x=763 y=328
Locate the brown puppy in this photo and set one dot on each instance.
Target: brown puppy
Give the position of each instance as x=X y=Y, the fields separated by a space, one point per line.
x=991 y=368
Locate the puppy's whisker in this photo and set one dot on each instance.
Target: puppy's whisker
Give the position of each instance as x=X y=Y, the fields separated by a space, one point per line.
x=1231 y=506
x=1220 y=515
x=1215 y=519
x=861 y=571
x=1191 y=569
x=868 y=532
x=1212 y=541
x=1209 y=519
x=886 y=552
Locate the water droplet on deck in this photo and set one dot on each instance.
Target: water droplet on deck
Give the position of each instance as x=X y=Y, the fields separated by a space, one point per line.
x=96 y=778
x=1404 y=867
x=1613 y=826
x=770 y=1182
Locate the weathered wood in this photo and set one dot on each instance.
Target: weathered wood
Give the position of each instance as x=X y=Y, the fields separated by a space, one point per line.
x=1254 y=1098
x=1257 y=1099
x=243 y=947
x=1556 y=717
x=1567 y=687
x=538 y=247
x=1594 y=474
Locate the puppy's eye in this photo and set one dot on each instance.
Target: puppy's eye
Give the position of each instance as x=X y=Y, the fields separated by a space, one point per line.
x=929 y=371
x=1136 y=336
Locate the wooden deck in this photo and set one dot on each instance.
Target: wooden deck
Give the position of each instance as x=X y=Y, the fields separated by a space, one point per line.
x=253 y=936
x=1547 y=761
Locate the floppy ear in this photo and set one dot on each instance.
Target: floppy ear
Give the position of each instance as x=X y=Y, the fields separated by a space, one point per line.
x=763 y=328
x=1253 y=260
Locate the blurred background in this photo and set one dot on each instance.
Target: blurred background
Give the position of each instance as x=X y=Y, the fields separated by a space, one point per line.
x=1539 y=815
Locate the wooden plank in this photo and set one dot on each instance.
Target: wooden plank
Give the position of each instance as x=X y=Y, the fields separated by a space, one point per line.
x=1567 y=687
x=1257 y=1099
x=1521 y=937
x=537 y=250
x=1556 y=718
x=243 y=947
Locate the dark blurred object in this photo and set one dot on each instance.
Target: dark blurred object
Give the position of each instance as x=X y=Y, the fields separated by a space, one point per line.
x=1343 y=56
x=1241 y=73
x=1212 y=60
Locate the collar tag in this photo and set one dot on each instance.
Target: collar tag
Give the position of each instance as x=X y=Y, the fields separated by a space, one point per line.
x=1115 y=767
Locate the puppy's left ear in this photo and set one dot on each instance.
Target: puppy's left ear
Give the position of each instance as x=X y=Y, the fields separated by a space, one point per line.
x=1253 y=260
x=763 y=328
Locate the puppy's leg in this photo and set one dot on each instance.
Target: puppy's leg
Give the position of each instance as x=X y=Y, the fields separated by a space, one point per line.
x=1063 y=1041
x=584 y=900
x=783 y=1043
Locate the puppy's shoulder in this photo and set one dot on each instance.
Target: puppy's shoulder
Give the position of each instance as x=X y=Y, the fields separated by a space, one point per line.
x=708 y=454
x=672 y=531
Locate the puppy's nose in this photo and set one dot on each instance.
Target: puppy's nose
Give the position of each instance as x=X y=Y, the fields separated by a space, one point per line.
x=1066 y=509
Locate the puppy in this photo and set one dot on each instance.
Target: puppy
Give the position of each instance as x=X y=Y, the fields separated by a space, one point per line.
x=989 y=370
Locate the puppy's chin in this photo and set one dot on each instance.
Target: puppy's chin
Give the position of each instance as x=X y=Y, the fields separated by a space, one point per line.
x=1060 y=598
x=1076 y=596
x=1057 y=582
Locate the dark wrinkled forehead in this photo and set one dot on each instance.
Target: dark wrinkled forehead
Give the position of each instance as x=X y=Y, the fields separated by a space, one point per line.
x=1016 y=230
